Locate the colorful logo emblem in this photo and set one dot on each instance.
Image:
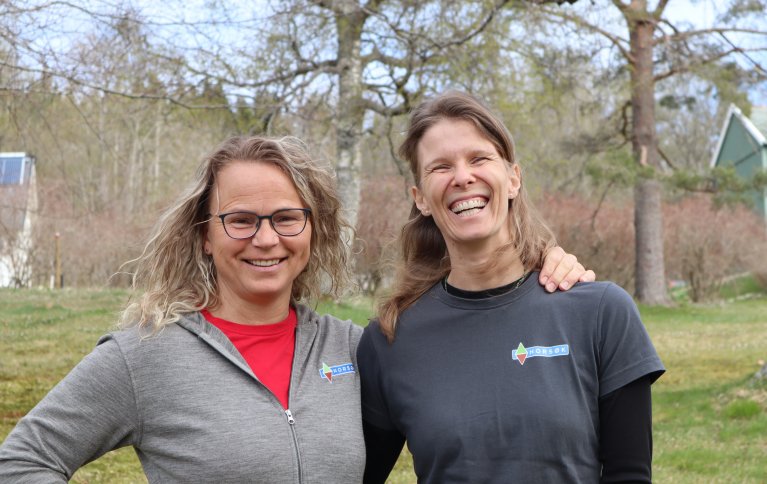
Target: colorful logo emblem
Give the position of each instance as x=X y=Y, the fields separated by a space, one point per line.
x=521 y=353
x=330 y=372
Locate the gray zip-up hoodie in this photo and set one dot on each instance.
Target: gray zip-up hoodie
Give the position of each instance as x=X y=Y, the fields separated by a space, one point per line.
x=195 y=412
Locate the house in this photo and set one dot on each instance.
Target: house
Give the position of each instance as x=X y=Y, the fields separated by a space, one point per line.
x=18 y=206
x=743 y=145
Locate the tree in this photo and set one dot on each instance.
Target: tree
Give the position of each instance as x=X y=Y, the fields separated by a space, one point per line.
x=656 y=50
x=335 y=71
x=113 y=143
x=648 y=221
x=376 y=54
x=373 y=56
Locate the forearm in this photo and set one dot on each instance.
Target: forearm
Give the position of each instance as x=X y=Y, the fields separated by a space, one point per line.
x=21 y=461
x=382 y=448
x=625 y=418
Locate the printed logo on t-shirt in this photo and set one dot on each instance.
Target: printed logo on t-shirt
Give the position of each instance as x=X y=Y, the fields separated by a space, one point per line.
x=330 y=372
x=521 y=353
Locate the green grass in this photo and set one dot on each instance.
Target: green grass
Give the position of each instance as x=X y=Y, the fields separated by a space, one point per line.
x=359 y=310
x=745 y=286
x=710 y=421
x=742 y=287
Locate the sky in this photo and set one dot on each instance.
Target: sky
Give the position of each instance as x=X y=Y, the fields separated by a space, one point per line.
x=697 y=13
x=691 y=15
x=703 y=14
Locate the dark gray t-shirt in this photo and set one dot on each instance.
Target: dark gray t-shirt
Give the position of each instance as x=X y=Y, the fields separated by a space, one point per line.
x=505 y=389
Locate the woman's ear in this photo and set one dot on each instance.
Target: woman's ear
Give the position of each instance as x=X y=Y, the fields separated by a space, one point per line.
x=206 y=244
x=419 y=201
x=515 y=181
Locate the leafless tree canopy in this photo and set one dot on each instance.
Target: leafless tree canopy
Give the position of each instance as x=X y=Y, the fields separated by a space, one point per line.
x=120 y=100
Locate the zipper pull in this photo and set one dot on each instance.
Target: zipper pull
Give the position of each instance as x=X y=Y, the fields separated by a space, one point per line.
x=291 y=420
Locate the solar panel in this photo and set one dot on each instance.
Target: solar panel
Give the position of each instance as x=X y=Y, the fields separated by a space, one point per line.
x=11 y=169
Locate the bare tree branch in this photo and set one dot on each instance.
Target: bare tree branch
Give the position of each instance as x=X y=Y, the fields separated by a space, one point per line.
x=620 y=43
x=658 y=12
x=744 y=53
x=684 y=35
x=680 y=69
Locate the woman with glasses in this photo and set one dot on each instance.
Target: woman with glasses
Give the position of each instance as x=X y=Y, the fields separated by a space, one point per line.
x=488 y=378
x=219 y=373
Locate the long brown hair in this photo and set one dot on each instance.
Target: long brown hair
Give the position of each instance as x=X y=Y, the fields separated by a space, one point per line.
x=175 y=274
x=423 y=258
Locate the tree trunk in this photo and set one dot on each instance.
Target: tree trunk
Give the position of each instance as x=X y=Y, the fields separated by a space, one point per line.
x=650 y=277
x=350 y=110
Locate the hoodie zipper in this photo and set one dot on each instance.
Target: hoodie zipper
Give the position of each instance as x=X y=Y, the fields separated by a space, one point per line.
x=291 y=421
x=291 y=424
x=291 y=392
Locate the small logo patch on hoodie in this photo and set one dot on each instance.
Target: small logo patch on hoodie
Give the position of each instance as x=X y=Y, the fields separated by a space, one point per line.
x=330 y=372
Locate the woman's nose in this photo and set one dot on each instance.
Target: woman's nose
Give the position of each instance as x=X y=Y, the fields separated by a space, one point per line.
x=463 y=174
x=265 y=236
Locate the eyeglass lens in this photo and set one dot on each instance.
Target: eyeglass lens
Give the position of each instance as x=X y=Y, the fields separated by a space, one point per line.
x=243 y=225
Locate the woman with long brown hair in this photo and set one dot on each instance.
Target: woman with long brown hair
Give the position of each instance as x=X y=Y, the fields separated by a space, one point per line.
x=488 y=378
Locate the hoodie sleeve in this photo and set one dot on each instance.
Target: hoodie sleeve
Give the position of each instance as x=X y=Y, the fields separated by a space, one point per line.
x=90 y=412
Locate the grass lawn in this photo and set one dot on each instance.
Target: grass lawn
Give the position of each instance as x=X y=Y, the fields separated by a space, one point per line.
x=710 y=422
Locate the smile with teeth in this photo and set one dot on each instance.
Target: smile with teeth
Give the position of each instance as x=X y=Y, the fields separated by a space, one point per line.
x=264 y=262
x=465 y=208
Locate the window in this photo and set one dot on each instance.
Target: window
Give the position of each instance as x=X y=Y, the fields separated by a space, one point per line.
x=11 y=169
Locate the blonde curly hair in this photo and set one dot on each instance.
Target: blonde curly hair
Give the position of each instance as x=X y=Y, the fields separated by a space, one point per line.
x=176 y=277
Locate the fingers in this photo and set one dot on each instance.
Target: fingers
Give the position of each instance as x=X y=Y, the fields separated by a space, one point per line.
x=565 y=274
x=588 y=276
x=562 y=270
x=550 y=262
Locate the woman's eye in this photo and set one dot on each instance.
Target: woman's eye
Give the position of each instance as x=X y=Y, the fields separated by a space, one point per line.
x=241 y=220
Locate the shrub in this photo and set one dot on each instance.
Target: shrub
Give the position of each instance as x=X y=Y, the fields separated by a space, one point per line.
x=602 y=240
x=704 y=243
x=93 y=243
x=383 y=210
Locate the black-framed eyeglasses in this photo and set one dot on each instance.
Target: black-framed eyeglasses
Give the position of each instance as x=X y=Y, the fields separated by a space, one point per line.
x=287 y=222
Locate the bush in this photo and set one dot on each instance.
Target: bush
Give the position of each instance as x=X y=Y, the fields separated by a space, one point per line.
x=93 y=244
x=704 y=244
x=602 y=240
x=384 y=208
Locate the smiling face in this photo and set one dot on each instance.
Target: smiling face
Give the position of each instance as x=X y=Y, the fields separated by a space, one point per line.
x=465 y=185
x=259 y=270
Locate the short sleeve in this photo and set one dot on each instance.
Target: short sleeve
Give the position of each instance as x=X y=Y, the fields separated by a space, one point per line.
x=374 y=408
x=625 y=350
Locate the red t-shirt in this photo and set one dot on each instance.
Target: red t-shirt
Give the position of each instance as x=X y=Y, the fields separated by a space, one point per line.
x=268 y=349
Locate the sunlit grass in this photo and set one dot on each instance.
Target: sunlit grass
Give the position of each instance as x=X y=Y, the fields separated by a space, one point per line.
x=710 y=420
